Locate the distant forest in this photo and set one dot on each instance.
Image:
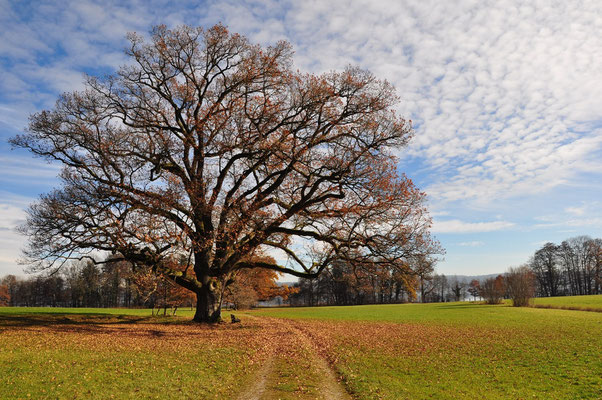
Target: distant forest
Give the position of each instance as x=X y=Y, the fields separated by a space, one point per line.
x=116 y=284
x=573 y=267
x=85 y=284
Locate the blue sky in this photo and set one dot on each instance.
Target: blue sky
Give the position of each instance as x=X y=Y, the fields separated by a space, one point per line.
x=506 y=99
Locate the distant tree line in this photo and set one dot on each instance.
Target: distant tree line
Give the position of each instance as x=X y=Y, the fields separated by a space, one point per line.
x=340 y=284
x=343 y=284
x=116 y=284
x=571 y=268
x=574 y=267
x=85 y=284
x=518 y=284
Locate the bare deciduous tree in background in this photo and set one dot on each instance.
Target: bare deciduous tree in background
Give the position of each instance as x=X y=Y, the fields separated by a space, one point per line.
x=211 y=146
x=572 y=268
x=474 y=289
x=520 y=285
x=544 y=264
x=493 y=290
x=457 y=289
x=4 y=295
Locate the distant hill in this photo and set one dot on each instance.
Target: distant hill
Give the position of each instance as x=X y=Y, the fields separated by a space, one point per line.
x=450 y=278
x=468 y=278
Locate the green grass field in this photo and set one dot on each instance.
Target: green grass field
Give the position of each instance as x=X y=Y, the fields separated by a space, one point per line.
x=117 y=353
x=409 y=351
x=460 y=350
x=589 y=303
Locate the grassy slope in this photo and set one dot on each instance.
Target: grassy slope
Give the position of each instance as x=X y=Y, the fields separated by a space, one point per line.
x=460 y=350
x=593 y=302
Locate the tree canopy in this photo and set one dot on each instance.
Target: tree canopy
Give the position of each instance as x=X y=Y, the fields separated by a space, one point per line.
x=209 y=146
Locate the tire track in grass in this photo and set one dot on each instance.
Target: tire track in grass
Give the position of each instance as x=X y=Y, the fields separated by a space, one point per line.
x=257 y=390
x=331 y=387
x=294 y=368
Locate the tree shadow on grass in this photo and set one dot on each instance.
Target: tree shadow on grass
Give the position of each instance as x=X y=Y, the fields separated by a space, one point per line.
x=49 y=319
x=105 y=323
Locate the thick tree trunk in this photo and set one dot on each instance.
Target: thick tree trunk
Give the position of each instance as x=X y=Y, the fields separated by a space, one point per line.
x=208 y=306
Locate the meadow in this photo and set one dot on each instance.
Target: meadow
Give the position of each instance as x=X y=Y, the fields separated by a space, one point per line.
x=413 y=351
x=460 y=350
x=584 y=303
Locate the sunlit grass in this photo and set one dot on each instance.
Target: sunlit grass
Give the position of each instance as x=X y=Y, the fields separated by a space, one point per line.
x=459 y=350
x=93 y=354
x=588 y=303
x=454 y=314
x=413 y=351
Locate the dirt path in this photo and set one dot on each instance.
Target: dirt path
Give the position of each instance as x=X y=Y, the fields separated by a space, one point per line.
x=294 y=368
x=257 y=389
x=330 y=386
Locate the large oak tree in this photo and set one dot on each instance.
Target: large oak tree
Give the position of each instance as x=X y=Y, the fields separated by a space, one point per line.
x=208 y=145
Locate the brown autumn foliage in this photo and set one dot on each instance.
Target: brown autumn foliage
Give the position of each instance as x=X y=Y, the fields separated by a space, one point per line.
x=161 y=292
x=4 y=296
x=240 y=296
x=172 y=296
x=493 y=290
x=206 y=144
x=252 y=285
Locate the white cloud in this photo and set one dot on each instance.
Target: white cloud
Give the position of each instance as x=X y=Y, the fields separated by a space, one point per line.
x=474 y=243
x=586 y=208
x=439 y=213
x=589 y=221
x=9 y=199
x=586 y=215
x=505 y=96
x=11 y=216
x=576 y=210
x=457 y=226
x=571 y=231
x=26 y=168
